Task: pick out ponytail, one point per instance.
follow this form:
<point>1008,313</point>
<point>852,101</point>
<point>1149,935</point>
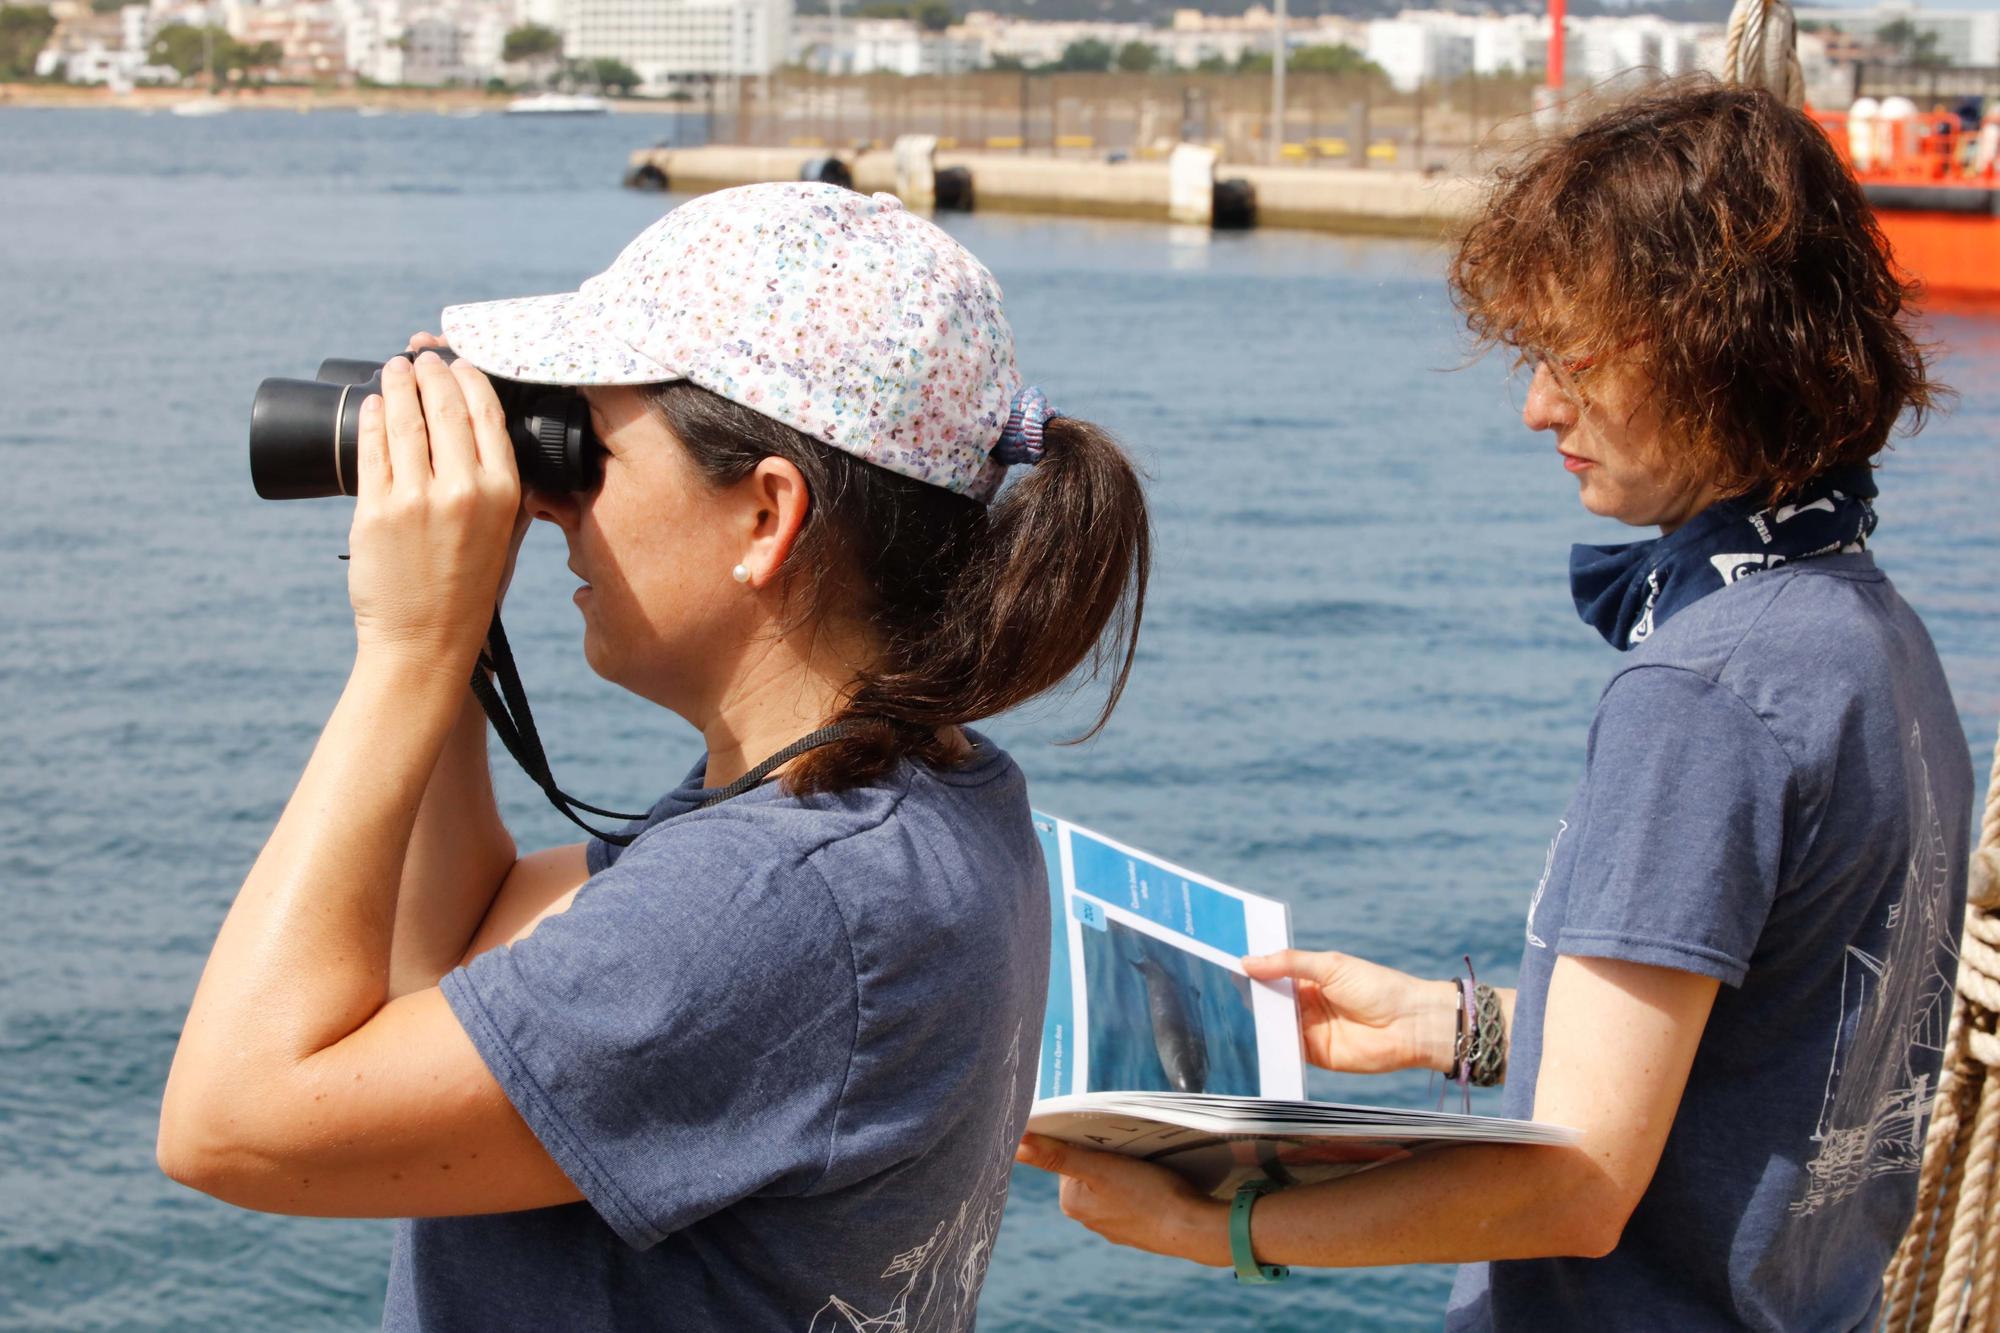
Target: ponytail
<point>977,608</point>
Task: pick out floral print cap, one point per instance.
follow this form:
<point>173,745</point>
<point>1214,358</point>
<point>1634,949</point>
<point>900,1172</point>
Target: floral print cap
<point>839,314</point>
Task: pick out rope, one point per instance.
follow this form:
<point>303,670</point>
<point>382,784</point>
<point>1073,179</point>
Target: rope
<point>1920,1252</point>
<point>1945,1276</point>
<point>1762,50</point>
<point>1969,1225</point>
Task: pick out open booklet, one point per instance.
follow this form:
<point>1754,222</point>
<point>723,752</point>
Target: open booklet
<point>1155,1043</point>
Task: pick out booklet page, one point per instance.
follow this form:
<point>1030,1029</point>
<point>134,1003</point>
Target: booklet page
<point>1146,986</point>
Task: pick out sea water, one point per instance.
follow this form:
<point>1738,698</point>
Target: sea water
<point>1361,687</point>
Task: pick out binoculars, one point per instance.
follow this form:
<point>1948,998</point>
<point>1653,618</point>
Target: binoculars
<point>303,433</point>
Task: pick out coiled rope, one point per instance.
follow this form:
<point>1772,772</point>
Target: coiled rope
<point>1945,1277</point>
<point>1763,50</point>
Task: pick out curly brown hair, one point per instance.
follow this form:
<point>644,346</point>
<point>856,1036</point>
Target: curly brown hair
<point>1711,238</point>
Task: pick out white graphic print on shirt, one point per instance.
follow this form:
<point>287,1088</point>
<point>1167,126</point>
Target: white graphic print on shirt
<point>1894,1002</point>
<point>945,1272</point>
<point>1548,866</point>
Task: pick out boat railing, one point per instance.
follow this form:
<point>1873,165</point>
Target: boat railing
<point>1933,148</point>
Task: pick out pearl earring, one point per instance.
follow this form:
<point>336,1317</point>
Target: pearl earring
<point>741,573</point>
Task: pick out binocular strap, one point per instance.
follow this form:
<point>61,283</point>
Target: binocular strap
<point>507,709</point>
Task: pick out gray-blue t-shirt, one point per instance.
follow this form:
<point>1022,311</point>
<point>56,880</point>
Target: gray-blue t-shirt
<point>1778,794</point>
<point>784,1048</point>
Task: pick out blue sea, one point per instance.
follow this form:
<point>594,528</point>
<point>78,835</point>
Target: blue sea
<point>1362,688</point>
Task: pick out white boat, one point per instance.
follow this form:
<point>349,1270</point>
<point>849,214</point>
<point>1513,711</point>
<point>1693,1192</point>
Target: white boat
<point>558,104</point>
<point>201,106</point>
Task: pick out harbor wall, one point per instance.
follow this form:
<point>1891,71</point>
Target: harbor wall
<point>1374,201</point>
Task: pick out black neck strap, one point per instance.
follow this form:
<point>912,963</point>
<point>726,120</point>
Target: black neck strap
<point>760,774</point>
<point>507,709</point>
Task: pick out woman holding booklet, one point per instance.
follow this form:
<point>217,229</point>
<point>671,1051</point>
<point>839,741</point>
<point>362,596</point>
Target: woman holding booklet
<point>707,1072</point>
<point>1739,959</point>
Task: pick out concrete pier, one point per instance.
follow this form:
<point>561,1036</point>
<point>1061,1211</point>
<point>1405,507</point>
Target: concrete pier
<point>1378,202</point>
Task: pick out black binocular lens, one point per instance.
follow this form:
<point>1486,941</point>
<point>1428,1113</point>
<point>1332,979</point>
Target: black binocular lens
<point>303,433</point>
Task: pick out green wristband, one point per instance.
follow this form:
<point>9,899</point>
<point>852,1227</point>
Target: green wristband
<point>1247,1267</point>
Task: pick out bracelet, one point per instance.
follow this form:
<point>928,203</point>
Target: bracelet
<point>1489,1057</point>
<point>1247,1267</point>
<point>1479,1053</point>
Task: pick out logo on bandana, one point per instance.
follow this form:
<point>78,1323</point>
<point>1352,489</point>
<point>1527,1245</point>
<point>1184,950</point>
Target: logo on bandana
<point>1644,629</point>
<point>1735,567</point>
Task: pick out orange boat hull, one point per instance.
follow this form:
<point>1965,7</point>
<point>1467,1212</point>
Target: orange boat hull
<point>1955,256</point>
<point>1936,195</point>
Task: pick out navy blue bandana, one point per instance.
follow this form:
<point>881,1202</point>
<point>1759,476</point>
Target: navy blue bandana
<point>1629,591</point>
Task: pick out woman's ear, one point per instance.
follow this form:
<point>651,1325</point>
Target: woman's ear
<point>778,502</point>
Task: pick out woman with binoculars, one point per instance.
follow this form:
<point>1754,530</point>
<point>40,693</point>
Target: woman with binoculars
<point>719,1071</point>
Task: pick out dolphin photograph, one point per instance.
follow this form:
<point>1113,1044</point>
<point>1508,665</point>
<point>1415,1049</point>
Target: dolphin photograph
<point>1164,1020</point>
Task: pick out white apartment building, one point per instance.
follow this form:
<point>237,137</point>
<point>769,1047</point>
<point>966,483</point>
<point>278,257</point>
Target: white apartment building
<point>1418,47</point>
<point>1515,44</point>
<point>310,34</point>
<point>1959,37</point>
<point>104,48</point>
<point>1036,43</point>
<point>421,41</point>
<point>671,43</point>
<point>1428,46</point>
<point>1193,39</point>
<point>1602,50</point>
<point>827,45</point>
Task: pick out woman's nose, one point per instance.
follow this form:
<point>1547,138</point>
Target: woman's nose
<point>1548,406</point>
<point>558,507</point>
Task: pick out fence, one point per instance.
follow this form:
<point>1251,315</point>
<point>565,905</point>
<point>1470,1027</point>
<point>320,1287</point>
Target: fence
<point>1335,119</point>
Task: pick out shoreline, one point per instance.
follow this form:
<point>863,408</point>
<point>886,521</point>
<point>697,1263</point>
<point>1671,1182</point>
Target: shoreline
<point>439,101</point>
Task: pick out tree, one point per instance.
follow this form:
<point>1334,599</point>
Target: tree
<point>1088,56</point>
<point>613,76</point>
<point>1253,62</point>
<point>1342,59</point>
<point>264,56</point>
<point>934,15</point>
<point>180,45</point>
<point>1007,62</point>
<point>530,41</point>
<point>1138,58</point>
<point>24,31</point>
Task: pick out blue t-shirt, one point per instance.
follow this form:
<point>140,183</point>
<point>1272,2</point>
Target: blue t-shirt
<point>1778,794</point>
<point>782,1047</point>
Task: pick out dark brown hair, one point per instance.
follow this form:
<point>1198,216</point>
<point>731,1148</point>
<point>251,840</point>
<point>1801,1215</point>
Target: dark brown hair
<point>977,608</point>
<point>1711,237</point>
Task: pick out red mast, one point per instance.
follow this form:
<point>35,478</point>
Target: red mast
<point>1557,11</point>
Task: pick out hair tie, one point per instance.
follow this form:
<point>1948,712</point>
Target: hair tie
<point>1021,437</point>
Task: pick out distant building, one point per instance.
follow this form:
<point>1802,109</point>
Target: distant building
<point>311,35</point>
<point>1036,43</point>
<point>1604,50</point>
<point>422,41</point>
<point>1422,46</point>
<point>828,45</point>
<point>1418,47</point>
<point>1958,37</point>
<point>1514,44</point>
<point>672,43</point>
<point>89,47</point>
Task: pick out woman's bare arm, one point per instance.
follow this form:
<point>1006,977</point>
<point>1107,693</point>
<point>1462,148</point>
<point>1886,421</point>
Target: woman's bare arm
<point>460,854</point>
<point>1618,1042</point>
